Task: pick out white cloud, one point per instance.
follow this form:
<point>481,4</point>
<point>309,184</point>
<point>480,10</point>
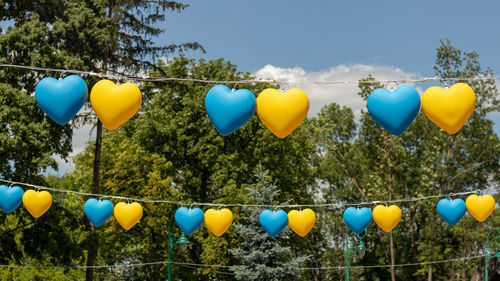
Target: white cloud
<point>319,95</point>
<point>343,94</point>
<point>81,136</point>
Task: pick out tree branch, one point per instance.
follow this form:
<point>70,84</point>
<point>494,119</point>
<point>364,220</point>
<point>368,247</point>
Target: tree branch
<point>473,167</point>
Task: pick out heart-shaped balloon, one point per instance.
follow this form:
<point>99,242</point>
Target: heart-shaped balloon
<point>281,112</point>
<point>37,203</point>
<point>301,222</point>
<point>98,211</point>
<point>451,211</point>
<point>10,197</point>
<point>61,99</point>
<point>449,108</point>
<point>127,215</point>
<point>229,110</point>
<point>480,207</point>
<point>189,220</point>
<point>358,219</point>
<point>273,222</point>
<point>115,104</point>
<point>394,111</point>
<point>218,221</point>
<point>386,217</point>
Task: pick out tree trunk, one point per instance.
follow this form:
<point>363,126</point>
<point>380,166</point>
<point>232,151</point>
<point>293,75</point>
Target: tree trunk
<point>413,241</point>
<point>92,251</point>
<point>393,275</point>
<point>493,270</point>
<point>463,251</point>
<point>411,231</point>
<point>391,241</point>
<point>429,275</point>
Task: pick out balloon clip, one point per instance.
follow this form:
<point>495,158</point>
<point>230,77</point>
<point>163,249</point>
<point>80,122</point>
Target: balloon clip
<point>284,86</point>
<point>118,79</point>
<point>61,75</point>
<point>234,87</point>
<point>446,86</point>
<point>394,84</point>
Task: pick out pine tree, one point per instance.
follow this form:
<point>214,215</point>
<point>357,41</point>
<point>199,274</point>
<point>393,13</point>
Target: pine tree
<point>262,257</point>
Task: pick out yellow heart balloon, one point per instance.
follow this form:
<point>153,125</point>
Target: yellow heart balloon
<point>386,217</point>
<point>449,108</point>
<point>301,222</point>
<point>218,221</point>
<point>115,105</point>
<point>127,215</point>
<point>281,112</point>
<point>480,207</point>
<point>37,203</point>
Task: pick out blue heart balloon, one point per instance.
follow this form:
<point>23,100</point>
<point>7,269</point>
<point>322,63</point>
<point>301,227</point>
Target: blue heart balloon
<point>452,211</point>
<point>358,219</point>
<point>61,99</point>
<point>273,222</point>
<point>10,198</point>
<point>229,110</point>
<point>98,211</point>
<point>394,111</point>
<point>189,220</point>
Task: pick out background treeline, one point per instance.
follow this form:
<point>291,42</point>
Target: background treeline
<point>171,151</point>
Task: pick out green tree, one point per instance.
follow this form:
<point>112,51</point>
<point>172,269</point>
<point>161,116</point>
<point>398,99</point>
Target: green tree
<point>197,164</point>
<point>99,35</point>
<point>262,257</point>
<point>365,162</point>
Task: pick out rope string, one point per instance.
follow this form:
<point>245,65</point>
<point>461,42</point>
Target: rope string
<point>340,267</point>
<point>330,205</point>
<point>252,81</point>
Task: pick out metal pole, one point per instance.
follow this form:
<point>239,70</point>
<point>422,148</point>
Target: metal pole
<point>346,258</point>
<point>487,249</point>
<point>486,260</point>
<point>170,246</point>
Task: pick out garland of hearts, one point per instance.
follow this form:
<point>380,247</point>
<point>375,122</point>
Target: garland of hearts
<point>218,221</point>
<point>281,112</point>
<point>451,211</point>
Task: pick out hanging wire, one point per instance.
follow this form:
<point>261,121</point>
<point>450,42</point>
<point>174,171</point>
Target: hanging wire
<point>340,267</point>
<point>250,81</point>
<point>389,265</point>
<point>218,205</point>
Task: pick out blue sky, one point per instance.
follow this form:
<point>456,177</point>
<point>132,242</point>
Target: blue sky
<point>332,40</point>
<point>316,35</point>
<point>337,40</point>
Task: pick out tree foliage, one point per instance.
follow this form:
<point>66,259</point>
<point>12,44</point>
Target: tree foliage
<point>171,151</point>
<point>97,35</point>
<point>261,257</point>
<point>364,162</point>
